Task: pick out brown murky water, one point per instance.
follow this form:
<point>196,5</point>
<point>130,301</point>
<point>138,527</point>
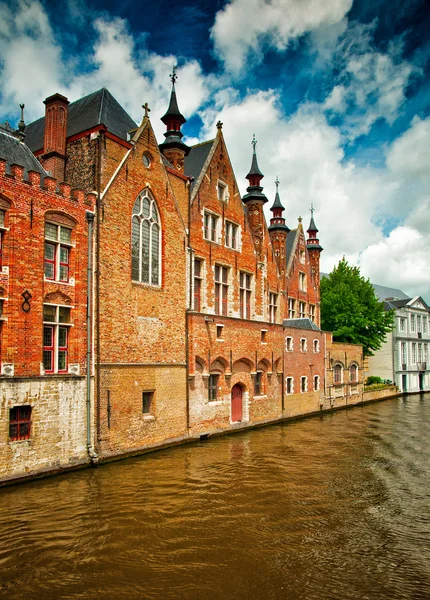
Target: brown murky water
<point>330,508</point>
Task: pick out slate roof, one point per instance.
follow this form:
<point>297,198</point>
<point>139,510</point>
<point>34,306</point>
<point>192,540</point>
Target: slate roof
<point>386,292</point>
<point>390,304</point>
<point>16,152</point>
<point>301,324</point>
<point>291,238</point>
<point>95,109</point>
<point>195,160</point>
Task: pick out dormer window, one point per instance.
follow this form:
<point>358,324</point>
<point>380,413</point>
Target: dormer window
<point>222,191</point>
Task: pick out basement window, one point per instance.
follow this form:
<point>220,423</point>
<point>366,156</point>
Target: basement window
<point>19,423</point>
<point>147,402</point>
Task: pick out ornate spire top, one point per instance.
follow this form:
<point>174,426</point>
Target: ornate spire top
<point>277,207</point>
<point>277,182</point>
<point>312,229</point>
<point>21,125</point>
<point>146,109</point>
<point>173,76</point>
<point>255,175</point>
<point>219,125</point>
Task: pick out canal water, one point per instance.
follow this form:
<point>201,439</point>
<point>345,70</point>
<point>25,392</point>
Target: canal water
<point>336,507</point>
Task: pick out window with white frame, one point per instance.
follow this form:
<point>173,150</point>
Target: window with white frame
<point>419,323</point>
<point>425,349</point>
<point>316,383</point>
<point>222,191</point>
<point>413,323</point>
<point>312,312</point>
<point>231,235</point>
<point>302,281</point>
<point>291,308</point>
<point>302,310</point>
<point>316,345</point>
<point>2,234</point>
<point>58,243</point>
<point>145,240</point>
<point>337,374</point>
<point>211,227</point>
<point>198,277</point>
<point>353,373</point>
<point>56,327</point>
<point>289,385</point>
<point>414,353</point>
<point>273,307</point>
<point>221,290</point>
<point>403,353</point>
<point>424,324</point>
<point>420,353</point>
<point>303,345</point>
<point>303,384</point>
<point>245,295</point>
<point>402,324</point>
<point>289,344</point>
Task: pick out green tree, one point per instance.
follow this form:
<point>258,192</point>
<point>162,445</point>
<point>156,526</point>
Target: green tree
<point>351,310</point>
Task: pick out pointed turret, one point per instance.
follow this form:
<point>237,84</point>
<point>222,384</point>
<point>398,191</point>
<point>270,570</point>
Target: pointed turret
<point>278,231</point>
<point>173,148</point>
<point>277,221</point>
<point>254,177</point>
<point>314,248</point>
<point>254,201</point>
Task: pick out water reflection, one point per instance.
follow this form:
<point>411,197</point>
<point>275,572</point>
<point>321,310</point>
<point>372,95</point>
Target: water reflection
<point>330,508</point>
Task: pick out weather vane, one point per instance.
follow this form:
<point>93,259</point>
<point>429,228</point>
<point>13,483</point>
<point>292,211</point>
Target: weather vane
<point>173,76</point>
<point>312,210</point>
<point>277,182</point>
<point>254,141</point>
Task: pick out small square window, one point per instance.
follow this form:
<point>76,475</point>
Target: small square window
<point>303,345</point>
<point>222,191</point>
<point>303,384</point>
<point>219,330</point>
<point>263,336</point>
<point>289,344</point>
<point>20,423</point>
<point>213,387</point>
<point>290,385</point>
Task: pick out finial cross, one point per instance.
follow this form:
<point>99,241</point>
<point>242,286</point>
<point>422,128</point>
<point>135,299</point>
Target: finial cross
<point>312,210</point>
<point>277,182</point>
<point>300,219</point>
<point>254,141</point>
<point>219,125</point>
<point>146,109</point>
<point>173,76</point>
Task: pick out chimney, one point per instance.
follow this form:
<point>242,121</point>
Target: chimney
<point>53,158</point>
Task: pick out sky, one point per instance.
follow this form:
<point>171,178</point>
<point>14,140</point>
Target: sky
<point>337,93</point>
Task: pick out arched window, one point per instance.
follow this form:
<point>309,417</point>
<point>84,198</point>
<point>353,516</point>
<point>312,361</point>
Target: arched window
<point>145,240</point>
<point>337,373</point>
<point>353,373</point>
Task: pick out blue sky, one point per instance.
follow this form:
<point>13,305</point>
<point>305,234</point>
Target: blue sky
<point>336,91</point>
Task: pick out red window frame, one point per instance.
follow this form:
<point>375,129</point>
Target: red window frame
<point>353,373</point>
<point>56,262</point>
<point>54,349</point>
<point>337,374</point>
<point>20,423</point>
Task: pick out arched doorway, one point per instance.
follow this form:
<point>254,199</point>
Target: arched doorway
<point>236,403</point>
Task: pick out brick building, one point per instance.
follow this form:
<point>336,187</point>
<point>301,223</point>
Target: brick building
<point>43,237</point>
<point>205,318</point>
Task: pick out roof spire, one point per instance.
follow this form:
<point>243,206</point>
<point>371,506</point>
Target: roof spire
<point>21,125</point>
<point>277,221</point>
<point>173,147</point>
<point>313,242</point>
<point>254,177</point>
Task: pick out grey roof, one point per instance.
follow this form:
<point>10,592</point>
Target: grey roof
<point>385,293</point>
<point>277,203</point>
<point>301,324</point>
<point>173,110</point>
<point>312,226</point>
<point>16,152</point>
<point>291,238</point>
<point>390,304</point>
<point>95,109</point>
<point>196,159</point>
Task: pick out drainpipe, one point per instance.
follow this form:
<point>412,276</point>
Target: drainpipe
<point>190,305</point>
<point>97,289</point>
<point>283,372</point>
<point>90,221</point>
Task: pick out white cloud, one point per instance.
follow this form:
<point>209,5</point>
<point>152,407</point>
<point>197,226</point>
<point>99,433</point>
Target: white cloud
<point>400,260</point>
<point>410,153</point>
<point>243,29</point>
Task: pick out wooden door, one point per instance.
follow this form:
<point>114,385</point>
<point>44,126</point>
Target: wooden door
<point>236,402</point>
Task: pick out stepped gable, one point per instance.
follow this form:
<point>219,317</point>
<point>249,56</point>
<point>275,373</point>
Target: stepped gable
<point>98,108</point>
<point>14,151</point>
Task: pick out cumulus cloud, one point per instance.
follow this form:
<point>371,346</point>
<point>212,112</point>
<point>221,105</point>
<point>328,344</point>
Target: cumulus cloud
<point>244,29</point>
<point>370,84</point>
<point>400,260</point>
<point>409,155</point>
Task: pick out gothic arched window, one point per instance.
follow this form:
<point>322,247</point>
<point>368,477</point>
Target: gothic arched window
<point>145,240</point>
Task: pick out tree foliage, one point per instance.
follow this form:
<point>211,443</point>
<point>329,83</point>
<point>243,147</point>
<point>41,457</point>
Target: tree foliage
<point>351,310</point>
